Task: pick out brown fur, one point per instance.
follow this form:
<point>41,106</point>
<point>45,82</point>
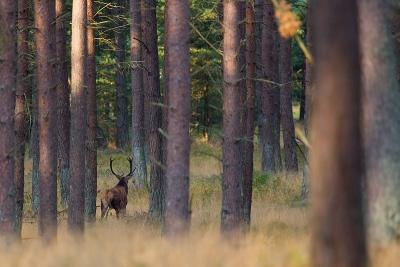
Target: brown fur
<point>117,197</point>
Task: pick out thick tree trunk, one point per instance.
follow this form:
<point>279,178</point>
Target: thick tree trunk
<point>91,149</point>
<point>249,133</point>
<point>138,141</point>
<point>20,114</point>
<point>231,160</point>
<point>8,71</point>
<point>46,93</point>
<point>63,95</point>
<point>76,220</point>
<point>270,96</point>
<point>337,168</point>
<point>381,121</point>
<point>177,214</point>
<point>289,138</point>
<point>122,138</point>
<point>154,141</point>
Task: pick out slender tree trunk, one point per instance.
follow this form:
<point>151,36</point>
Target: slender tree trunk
<point>8,71</point>
<point>258,17</point>
<point>206,113</point>
<point>337,168</point>
<point>289,138</point>
<point>76,221</point>
<point>63,95</point>
<point>35,152</point>
<point>381,121</point>
<point>122,137</point>
<point>270,96</point>
<point>250,100</point>
<point>46,93</point>
<point>20,114</point>
<point>177,214</point>
<point>308,91</point>
<point>91,152</point>
<point>231,177</point>
<point>137,95</point>
<point>303,93</point>
<point>157,181</point>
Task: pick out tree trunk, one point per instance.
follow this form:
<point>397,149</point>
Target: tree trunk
<point>76,221</point>
<point>157,181</point>
<point>289,138</point>
<point>46,93</point>
<point>35,152</point>
<point>91,150</point>
<point>337,156</point>
<point>63,95</point>
<point>20,114</point>
<point>270,96</point>
<point>249,134</point>
<point>231,177</point>
<point>381,121</point>
<point>122,137</point>
<point>258,17</point>
<point>8,71</point>
<point>308,94</point>
<point>177,214</point>
<point>138,151</point>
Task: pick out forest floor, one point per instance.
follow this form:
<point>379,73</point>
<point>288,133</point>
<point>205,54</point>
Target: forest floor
<point>279,234</point>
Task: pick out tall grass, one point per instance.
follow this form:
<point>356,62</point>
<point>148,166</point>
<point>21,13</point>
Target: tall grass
<point>279,234</point>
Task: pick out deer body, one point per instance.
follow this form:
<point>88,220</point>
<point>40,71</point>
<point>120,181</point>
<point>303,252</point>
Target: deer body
<point>116,198</point>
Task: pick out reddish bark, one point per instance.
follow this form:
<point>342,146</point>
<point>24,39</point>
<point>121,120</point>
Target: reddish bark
<point>249,123</point>
<point>231,177</point>
<point>177,215</point>
<point>46,93</point>
<point>91,150</point>
<point>76,220</point>
<point>337,168</point>
<point>63,95</point>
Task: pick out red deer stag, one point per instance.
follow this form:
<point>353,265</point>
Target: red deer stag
<point>117,197</point>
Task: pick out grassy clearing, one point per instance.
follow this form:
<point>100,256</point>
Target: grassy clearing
<point>279,233</point>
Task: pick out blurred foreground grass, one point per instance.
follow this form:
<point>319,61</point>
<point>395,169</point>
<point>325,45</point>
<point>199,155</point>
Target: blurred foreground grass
<point>279,233</point>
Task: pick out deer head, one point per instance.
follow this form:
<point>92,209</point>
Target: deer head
<point>123,178</point>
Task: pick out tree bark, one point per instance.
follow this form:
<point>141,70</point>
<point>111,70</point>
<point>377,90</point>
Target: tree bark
<point>337,168</point>
<point>76,221</point>
<point>20,114</point>
<point>63,96</point>
<point>122,138</point>
<point>91,150</point>
<point>231,160</point>
<point>8,71</point>
<point>250,99</point>
<point>270,95</point>
<point>381,121</point>
<point>289,138</point>
<point>138,141</point>
<point>46,93</point>
<point>35,152</point>
<point>177,214</point>
<point>258,17</point>
<point>157,181</point>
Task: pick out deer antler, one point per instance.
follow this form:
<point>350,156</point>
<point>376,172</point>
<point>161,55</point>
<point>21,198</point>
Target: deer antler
<point>111,167</point>
<point>131,170</point>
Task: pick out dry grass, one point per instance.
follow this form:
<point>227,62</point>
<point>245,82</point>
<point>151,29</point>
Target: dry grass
<point>279,233</point>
